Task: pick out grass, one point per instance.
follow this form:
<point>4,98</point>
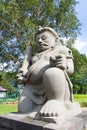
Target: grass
<point>80,98</point>
<point>6,108</point>
<point>11,106</point>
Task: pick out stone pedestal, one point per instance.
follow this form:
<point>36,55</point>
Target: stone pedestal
<point>15,121</point>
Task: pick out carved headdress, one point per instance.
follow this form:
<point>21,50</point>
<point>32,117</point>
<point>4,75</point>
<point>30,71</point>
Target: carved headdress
<point>43,29</point>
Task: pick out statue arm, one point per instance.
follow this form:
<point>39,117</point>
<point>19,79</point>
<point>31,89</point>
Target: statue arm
<point>23,73</point>
<point>70,66</point>
<point>27,58</point>
<point>58,61</point>
<point>63,62</point>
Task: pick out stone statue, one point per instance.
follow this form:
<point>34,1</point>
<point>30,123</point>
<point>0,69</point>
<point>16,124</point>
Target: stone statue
<point>48,89</point>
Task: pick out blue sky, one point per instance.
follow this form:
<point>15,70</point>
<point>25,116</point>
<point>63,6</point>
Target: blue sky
<point>81,43</point>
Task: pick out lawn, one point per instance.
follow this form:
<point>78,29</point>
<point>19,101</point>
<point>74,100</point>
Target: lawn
<point>80,98</point>
<point>6,108</point>
<point>12,106</point>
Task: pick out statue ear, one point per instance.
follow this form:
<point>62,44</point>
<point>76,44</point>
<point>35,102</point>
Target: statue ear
<point>56,40</point>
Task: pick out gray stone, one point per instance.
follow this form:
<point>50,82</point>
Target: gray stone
<point>19,122</point>
<point>65,126</point>
<point>83,115</point>
<point>79,123</point>
<point>47,94</point>
<point>16,121</point>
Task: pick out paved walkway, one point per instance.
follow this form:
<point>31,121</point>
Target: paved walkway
<point>84,108</point>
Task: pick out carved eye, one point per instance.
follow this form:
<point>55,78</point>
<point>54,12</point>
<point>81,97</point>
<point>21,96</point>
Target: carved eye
<point>69,51</point>
<point>43,37</point>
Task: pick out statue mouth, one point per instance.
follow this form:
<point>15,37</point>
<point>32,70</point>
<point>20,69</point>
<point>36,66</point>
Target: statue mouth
<point>43,44</point>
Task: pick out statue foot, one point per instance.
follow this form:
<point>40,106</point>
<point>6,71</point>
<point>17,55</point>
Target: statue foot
<point>53,108</point>
<point>35,114</point>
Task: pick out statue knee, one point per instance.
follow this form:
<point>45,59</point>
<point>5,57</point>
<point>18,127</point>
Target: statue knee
<point>53,72</point>
<point>54,83</point>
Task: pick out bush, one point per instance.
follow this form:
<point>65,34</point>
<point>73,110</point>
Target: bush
<point>83,104</point>
<point>82,99</point>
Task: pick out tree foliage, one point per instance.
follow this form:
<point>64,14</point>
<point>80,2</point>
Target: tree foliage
<point>79,77</point>
<point>6,79</point>
<point>19,20</point>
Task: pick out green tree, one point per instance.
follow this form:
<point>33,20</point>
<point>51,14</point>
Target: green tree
<point>19,20</point>
<point>80,74</point>
<point>5,80</point>
<point>80,63</point>
<point>6,85</point>
<point>76,88</point>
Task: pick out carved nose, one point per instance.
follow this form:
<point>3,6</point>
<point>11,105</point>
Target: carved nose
<point>40,40</point>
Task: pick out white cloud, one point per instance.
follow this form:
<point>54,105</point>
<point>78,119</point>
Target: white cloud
<point>81,46</point>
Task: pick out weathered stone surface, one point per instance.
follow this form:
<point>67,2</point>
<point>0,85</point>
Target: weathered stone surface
<point>17,121</point>
<point>83,115</point>
<point>66,126</point>
<point>47,92</point>
<point>78,122</point>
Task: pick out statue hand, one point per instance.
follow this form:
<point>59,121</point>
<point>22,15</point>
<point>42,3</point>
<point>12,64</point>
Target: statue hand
<point>20,79</point>
<point>58,61</point>
<point>23,71</point>
<point>61,61</point>
<point>52,61</point>
<point>22,75</point>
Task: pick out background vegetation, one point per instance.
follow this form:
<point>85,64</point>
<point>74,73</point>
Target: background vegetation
<point>6,108</point>
<point>12,105</point>
<point>19,21</point>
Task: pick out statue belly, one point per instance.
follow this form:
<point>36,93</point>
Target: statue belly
<point>36,71</point>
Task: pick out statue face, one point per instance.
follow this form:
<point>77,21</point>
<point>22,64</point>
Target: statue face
<point>45,40</point>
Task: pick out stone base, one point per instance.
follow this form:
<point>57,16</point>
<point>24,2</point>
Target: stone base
<point>16,121</point>
<point>65,111</point>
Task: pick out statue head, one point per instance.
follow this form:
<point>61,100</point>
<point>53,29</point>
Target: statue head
<point>46,38</point>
